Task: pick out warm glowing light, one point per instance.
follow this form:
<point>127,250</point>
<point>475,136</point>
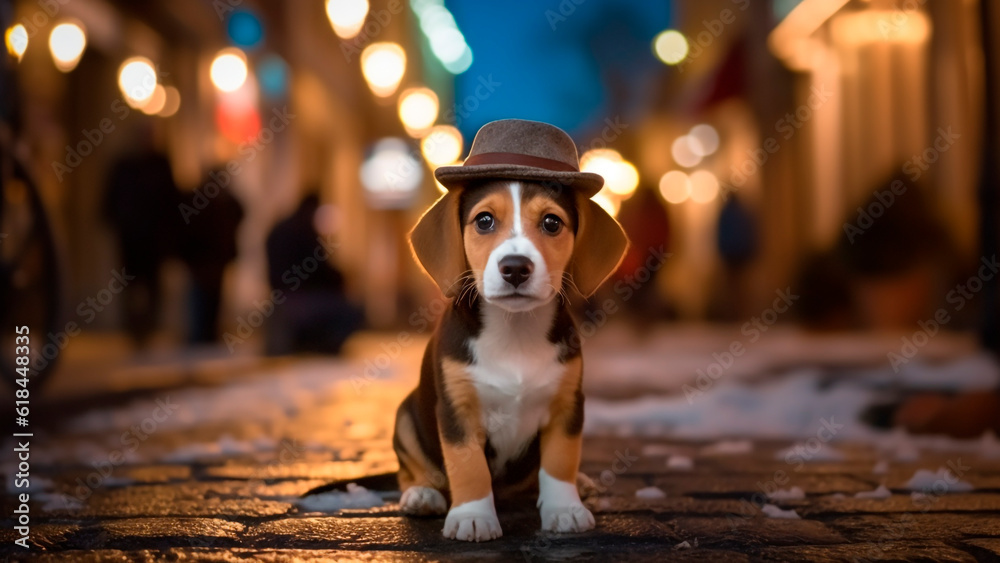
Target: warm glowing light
<point>67,42</point>
<point>684,153</point>
<point>807,17</point>
<point>440,186</point>
<point>383,65</point>
<point>137,81</point>
<point>671,46</point>
<point>391,175</point>
<point>16,38</point>
<point>621,177</point>
<point>607,202</point>
<point>418,110</point>
<point>171,102</point>
<point>876,26</point>
<point>703,140</point>
<point>704,186</point>
<point>347,16</point>
<point>442,146</point>
<point>154,104</point>
<point>675,186</point>
<point>229,70</point>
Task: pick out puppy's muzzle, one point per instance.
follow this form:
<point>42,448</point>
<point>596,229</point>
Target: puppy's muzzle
<point>515,269</point>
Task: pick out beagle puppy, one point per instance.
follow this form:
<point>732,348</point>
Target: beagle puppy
<point>499,405</point>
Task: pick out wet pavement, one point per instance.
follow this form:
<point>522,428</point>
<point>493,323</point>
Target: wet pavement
<point>210,467</point>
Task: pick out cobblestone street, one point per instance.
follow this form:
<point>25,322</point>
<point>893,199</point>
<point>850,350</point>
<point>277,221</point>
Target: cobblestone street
<point>216,474</point>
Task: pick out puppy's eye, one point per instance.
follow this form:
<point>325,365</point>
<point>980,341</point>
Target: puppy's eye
<point>551,224</point>
<point>484,222</point>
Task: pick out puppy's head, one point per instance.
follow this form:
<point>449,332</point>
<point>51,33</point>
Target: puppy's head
<point>518,242</point>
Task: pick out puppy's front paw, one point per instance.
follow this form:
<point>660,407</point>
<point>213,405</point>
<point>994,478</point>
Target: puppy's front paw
<point>566,518</point>
<point>473,521</point>
<point>422,501</point>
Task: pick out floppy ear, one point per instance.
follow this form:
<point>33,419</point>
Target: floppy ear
<point>436,241</point>
<point>599,246</point>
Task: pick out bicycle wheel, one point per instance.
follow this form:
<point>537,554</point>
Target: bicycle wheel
<point>29,278</point>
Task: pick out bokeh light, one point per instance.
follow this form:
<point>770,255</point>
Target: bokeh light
<point>16,39</point>
<point>442,146</point>
<point>675,187</point>
<point>607,202</point>
<point>347,17</point>
<point>671,46</point>
<point>683,152</point>
<point>155,103</point>
<point>383,66</point>
<point>703,140</point>
<point>229,69</point>
<point>704,186</point>
<point>391,174</point>
<point>446,41</point>
<point>418,110</point>
<point>67,42</point>
<point>272,74</point>
<point>621,177</point>
<point>245,29</point>
<point>172,102</point>
<point>137,80</point>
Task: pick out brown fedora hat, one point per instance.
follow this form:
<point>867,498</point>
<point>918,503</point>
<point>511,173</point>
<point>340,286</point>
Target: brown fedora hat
<point>518,149</point>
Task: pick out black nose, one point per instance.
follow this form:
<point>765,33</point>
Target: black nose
<point>515,269</point>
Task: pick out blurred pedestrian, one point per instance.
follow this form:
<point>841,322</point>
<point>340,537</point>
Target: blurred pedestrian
<point>315,314</point>
<point>208,243</point>
<point>737,242</point>
<point>140,204</point>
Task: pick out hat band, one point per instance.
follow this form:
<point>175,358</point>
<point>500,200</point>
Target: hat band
<point>520,160</point>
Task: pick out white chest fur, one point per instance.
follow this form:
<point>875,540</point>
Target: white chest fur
<point>516,372</point>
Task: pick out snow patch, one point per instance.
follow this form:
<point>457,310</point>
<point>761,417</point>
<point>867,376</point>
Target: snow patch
<point>774,512</point>
<point>795,493</point>
<point>680,463</point>
<point>650,493</point>
<point>334,501</point>
<point>939,482</point>
<point>880,493</point>
<point>658,450</point>
<point>728,447</point>
<point>805,453</point>
<point>881,468</point>
<point>989,446</point>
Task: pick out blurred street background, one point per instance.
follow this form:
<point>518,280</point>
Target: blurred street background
<point>206,202</point>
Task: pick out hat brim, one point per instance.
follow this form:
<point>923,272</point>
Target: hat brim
<point>587,183</point>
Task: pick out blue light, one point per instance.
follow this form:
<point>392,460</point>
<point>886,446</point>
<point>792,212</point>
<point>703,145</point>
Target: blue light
<point>244,29</point>
<point>272,73</point>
